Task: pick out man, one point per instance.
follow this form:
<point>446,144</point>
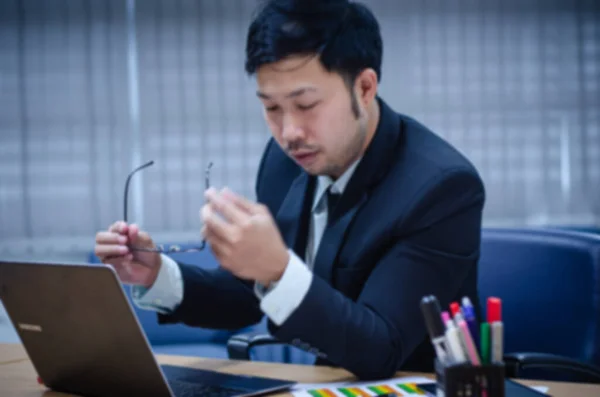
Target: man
<point>361,211</point>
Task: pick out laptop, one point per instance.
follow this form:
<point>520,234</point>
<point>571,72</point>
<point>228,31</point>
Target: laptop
<point>83,337</point>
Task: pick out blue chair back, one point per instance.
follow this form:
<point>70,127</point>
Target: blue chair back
<point>172,334</point>
<point>549,282</point>
<point>590,229</point>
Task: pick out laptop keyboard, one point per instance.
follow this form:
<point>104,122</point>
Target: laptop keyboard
<point>191,382</point>
<point>188,389</point>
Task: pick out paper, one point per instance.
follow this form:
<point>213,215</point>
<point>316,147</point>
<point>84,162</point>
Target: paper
<point>401,386</point>
<point>405,386</point>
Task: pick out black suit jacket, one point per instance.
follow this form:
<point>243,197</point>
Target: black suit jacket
<point>407,225</point>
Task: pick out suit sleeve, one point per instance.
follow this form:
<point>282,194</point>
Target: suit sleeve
<point>372,336</point>
<point>214,299</point>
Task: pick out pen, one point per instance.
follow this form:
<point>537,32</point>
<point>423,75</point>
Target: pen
<point>454,340</point>
<point>494,317</point>
<point>469,313</point>
<point>470,349</point>
<point>430,307</point>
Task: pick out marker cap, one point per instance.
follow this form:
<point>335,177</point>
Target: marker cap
<point>433,317</point>
<point>454,308</point>
<point>466,302</point>
<point>445,317</point>
<point>494,309</point>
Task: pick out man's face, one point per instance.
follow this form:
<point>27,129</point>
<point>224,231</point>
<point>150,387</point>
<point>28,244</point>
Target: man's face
<point>310,114</point>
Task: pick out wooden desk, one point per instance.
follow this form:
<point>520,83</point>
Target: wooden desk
<point>10,353</point>
<point>18,377</point>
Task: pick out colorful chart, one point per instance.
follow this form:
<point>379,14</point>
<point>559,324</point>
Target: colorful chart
<point>400,389</point>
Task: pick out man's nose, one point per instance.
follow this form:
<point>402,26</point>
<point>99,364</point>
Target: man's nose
<point>292,130</point>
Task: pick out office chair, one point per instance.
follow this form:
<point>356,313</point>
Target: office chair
<point>549,282</point>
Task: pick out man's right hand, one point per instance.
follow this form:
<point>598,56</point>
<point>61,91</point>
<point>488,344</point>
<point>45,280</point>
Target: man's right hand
<point>132,267</point>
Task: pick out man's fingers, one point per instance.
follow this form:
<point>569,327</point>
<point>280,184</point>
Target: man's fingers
<point>110,238</point>
<point>132,232</point>
<point>107,250</point>
<point>241,202</point>
<point>221,253</point>
<point>118,227</point>
<point>215,224</point>
<point>139,238</point>
<point>117,261</point>
<point>214,239</point>
<point>226,207</point>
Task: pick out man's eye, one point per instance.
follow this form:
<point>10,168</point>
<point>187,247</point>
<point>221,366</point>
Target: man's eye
<point>272,108</point>
<point>307,107</point>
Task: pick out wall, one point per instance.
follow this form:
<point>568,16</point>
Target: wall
<point>91,89</point>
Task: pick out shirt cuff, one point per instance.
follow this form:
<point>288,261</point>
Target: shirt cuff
<point>167,291</point>
<point>280,300</point>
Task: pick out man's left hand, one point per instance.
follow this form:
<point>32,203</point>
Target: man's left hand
<point>243,237</point>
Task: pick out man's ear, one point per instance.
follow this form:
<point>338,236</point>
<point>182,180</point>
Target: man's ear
<point>366,87</point>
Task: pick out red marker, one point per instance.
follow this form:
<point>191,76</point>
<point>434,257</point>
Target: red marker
<point>454,308</point>
<point>494,317</point>
<point>494,310</point>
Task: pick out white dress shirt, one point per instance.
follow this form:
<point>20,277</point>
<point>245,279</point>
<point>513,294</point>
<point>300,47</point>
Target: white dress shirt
<point>280,300</point>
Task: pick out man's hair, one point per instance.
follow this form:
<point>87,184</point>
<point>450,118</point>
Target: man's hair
<point>344,34</point>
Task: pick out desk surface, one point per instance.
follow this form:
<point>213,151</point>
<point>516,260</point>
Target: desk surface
<point>18,377</point>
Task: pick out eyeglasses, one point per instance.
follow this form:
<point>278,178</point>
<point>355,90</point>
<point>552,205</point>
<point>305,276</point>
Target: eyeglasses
<point>165,249</point>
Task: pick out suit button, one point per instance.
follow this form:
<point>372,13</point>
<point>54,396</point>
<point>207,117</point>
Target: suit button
<point>314,351</point>
<point>322,355</point>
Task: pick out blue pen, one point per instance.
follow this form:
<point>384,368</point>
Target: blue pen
<point>469,315</point>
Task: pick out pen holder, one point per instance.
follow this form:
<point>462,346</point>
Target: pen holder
<point>466,380</point>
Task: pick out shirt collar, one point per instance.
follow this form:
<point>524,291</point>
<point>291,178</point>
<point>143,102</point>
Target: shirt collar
<point>324,181</point>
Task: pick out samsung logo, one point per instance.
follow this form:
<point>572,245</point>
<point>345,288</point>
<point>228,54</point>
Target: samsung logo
<point>30,327</point>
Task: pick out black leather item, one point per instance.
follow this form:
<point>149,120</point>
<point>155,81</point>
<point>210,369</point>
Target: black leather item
<point>517,362</point>
<point>239,346</point>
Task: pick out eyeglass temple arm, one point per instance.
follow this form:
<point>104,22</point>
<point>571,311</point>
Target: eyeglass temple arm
<point>131,174</point>
<point>207,175</point>
<point>207,184</point>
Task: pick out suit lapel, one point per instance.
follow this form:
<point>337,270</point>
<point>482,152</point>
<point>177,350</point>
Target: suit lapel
<point>294,214</point>
<point>375,163</point>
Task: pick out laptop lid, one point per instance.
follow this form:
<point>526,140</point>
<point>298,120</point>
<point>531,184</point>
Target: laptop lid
<point>79,329</point>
